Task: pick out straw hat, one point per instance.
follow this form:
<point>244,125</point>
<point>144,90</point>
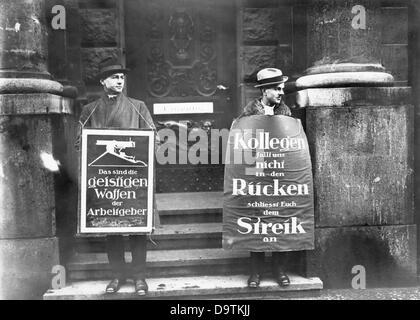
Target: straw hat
<point>269,77</point>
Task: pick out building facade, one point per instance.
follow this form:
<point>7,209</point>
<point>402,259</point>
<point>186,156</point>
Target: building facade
<point>183,54</point>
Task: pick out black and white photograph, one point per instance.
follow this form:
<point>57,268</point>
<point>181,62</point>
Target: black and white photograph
<point>228,151</point>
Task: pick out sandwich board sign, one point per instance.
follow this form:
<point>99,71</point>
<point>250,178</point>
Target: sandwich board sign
<point>116,181</point>
<point>268,187</point>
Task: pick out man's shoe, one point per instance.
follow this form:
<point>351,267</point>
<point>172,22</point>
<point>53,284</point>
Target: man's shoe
<point>114,285</point>
<point>140,285</point>
<point>282,279</point>
<point>254,280</point>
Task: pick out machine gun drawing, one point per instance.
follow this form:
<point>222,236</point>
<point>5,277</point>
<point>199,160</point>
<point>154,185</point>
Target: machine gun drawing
<point>116,148</point>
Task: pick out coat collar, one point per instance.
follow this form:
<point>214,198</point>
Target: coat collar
<point>105,97</point>
<point>260,106</point>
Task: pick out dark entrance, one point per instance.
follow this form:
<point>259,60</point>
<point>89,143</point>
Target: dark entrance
<point>182,54</point>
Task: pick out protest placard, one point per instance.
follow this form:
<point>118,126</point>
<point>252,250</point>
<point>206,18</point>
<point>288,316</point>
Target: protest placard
<point>116,181</point>
<point>268,187</point>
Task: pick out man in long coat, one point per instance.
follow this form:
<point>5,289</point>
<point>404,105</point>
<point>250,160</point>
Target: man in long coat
<point>271,82</point>
<point>115,110</point>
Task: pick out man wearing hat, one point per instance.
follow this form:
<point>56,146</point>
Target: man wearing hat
<point>271,82</point>
<point>115,110</point>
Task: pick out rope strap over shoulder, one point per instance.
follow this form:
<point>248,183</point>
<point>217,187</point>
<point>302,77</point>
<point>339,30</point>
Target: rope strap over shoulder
<point>148,123</point>
<point>90,114</point>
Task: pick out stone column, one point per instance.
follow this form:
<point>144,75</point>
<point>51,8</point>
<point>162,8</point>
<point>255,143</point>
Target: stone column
<point>360,131</point>
<point>29,103</point>
<point>344,42</point>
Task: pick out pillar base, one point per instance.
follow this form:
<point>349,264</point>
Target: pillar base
<point>345,79</point>
<point>26,85</point>
<point>25,267</point>
<point>28,246</point>
<point>345,75</point>
<point>361,142</point>
<point>387,253</point>
<point>351,96</point>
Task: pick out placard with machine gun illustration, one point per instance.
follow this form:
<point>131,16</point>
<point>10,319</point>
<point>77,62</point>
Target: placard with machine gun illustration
<point>116,185</point>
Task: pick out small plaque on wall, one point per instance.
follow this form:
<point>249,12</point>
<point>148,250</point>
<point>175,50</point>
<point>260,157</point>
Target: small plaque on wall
<point>183,107</point>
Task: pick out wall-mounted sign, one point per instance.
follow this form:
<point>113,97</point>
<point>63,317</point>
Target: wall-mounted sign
<point>183,107</point>
<point>116,185</point>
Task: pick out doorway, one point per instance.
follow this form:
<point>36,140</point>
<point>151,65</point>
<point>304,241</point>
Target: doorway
<point>182,56</point>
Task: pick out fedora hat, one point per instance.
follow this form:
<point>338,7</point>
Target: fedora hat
<point>269,77</point>
<point>109,66</point>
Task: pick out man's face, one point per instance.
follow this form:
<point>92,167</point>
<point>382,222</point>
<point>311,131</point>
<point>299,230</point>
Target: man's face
<point>114,83</point>
<point>273,95</point>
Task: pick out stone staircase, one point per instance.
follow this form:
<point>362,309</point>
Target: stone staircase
<point>185,259</point>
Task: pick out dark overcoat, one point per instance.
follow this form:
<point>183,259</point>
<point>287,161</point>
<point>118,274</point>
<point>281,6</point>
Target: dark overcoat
<point>118,112</point>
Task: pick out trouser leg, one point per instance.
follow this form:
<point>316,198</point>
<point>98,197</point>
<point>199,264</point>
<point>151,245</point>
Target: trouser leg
<point>138,245</point>
<point>278,262</point>
<point>257,262</point>
<point>115,251</point>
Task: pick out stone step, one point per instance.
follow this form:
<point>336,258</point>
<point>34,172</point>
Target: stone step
<point>163,263</point>
<point>193,287</point>
<point>190,207</point>
<point>166,237</point>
